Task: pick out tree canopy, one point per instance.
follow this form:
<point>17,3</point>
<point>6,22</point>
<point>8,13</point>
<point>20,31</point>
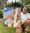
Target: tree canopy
<point>26,2</point>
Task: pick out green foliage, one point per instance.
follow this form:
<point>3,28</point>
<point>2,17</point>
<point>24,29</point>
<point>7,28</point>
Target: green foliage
<point>1,14</point>
<point>20,3</point>
<point>26,2</point>
<point>16,4</point>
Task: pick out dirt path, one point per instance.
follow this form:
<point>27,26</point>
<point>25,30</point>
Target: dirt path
<point>1,20</point>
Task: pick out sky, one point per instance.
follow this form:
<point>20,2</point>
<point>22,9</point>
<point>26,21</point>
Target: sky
<point>12,0</point>
<point>9,0</point>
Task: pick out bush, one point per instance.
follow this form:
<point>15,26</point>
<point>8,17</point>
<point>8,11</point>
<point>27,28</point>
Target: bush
<point>1,14</point>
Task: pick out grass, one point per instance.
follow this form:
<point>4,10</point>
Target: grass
<point>4,29</point>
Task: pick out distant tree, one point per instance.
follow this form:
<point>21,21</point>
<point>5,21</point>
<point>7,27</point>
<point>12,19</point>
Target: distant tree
<point>15,4</point>
<point>25,2</point>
